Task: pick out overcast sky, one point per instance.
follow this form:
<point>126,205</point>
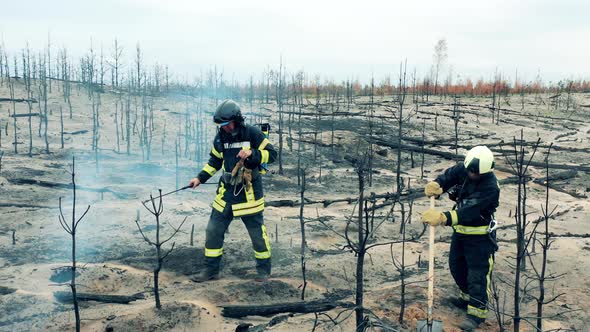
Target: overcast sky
<point>337,39</point>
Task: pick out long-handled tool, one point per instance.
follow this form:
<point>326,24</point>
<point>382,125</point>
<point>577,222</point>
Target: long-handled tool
<point>166,194</point>
<point>430,325</point>
<point>175,191</point>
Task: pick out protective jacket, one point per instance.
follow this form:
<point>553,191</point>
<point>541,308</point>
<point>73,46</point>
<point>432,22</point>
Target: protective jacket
<point>238,199</point>
<point>476,200</point>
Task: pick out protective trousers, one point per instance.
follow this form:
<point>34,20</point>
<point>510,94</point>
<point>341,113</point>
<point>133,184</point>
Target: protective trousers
<point>471,260</point>
<point>216,228</point>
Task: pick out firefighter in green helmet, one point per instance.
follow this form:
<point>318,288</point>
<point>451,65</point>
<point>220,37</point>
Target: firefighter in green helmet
<point>236,143</point>
<point>473,186</point>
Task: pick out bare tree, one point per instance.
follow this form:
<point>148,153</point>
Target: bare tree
<point>520,166</point>
<point>15,67</point>
<point>498,305</point>
<point>2,63</point>
<point>167,79</point>
<point>71,229</point>
<point>102,69</point>
<point>116,62</point>
<point>11,88</point>
<point>401,265</point>
<point>541,273</point>
<point>280,87</point>
<point>116,120</point>
<point>401,98</point>
<point>367,225</point>
<point>96,103</point>
<point>88,67</point>
<point>44,115</point>
<point>422,149</point>
<point>303,239</point>
<point>66,72</point>
<point>49,72</point>
<point>6,63</point>
<point>61,120</point>
<point>371,125</point>
<point>27,79</point>
<point>439,58</point>
<point>128,122</point>
<point>456,118</point>
<point>161,255</point>
<point>138,65</point>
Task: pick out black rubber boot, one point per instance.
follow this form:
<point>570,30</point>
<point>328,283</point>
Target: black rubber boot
<point>470,323</point>
<point>205,276</point>
<point>263,268</point>
<point>211,271</point>
<point>459,303</point>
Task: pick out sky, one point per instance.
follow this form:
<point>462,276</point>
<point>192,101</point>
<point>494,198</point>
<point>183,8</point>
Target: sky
<point>334,39</point>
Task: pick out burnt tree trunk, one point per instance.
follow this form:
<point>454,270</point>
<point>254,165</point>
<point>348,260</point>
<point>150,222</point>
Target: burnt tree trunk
<point>303,239</point>
<point>360,258</point>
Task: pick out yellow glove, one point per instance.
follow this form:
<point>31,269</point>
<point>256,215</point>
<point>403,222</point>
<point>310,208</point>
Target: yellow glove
<point>237,174</point>
<point>434,217</point>
<point>247,179</point>
<point>433,189</point>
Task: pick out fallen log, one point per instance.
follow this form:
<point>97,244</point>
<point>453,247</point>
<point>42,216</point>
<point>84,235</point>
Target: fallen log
<point>238,311</point>
<point>19,100</point>
<point>66,297</point>
<point>568,234</point>
<point>409,197</point>
<point>502,143</point>
<point>48,184</point>
<point>578,168</point>
<point>413,193</point>
<point>560,189</point>
<point>536,221</point>
<point>451,156</point>
<point>76,132</point>
<point>543,181</point>
<point>20,205</point>
<point>510,111</point>
<point>569,133</point>
<point>24,115</point>
<point>281,203</point>
<point>6,290</point>
<point>565,175</point>
<point>329,114</point>
<point>407,147</point>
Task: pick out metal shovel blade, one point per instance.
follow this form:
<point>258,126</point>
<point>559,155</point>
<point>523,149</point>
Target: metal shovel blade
<point>433,326</point>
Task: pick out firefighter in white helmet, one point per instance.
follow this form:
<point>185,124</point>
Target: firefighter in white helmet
<point>472,184</point>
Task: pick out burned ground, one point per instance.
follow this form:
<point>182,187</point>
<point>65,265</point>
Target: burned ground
<point>115,260</point>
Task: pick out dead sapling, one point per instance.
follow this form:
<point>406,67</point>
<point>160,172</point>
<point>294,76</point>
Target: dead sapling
<point>71,229</point>
<point>400,264</point>
<point>303,239</point>
<point>156,210</point>
<point>367,226</point>
<point>541,274</point>
<point>498,303</point>
<point>520,166</point>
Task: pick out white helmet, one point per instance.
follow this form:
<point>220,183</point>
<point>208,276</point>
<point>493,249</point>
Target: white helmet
<point>479,160</point>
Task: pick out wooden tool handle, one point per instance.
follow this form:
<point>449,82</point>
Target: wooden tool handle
<point>431,267</point>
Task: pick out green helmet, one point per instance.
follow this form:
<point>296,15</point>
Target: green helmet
<point>479,160</point>
<point>228,111</point>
